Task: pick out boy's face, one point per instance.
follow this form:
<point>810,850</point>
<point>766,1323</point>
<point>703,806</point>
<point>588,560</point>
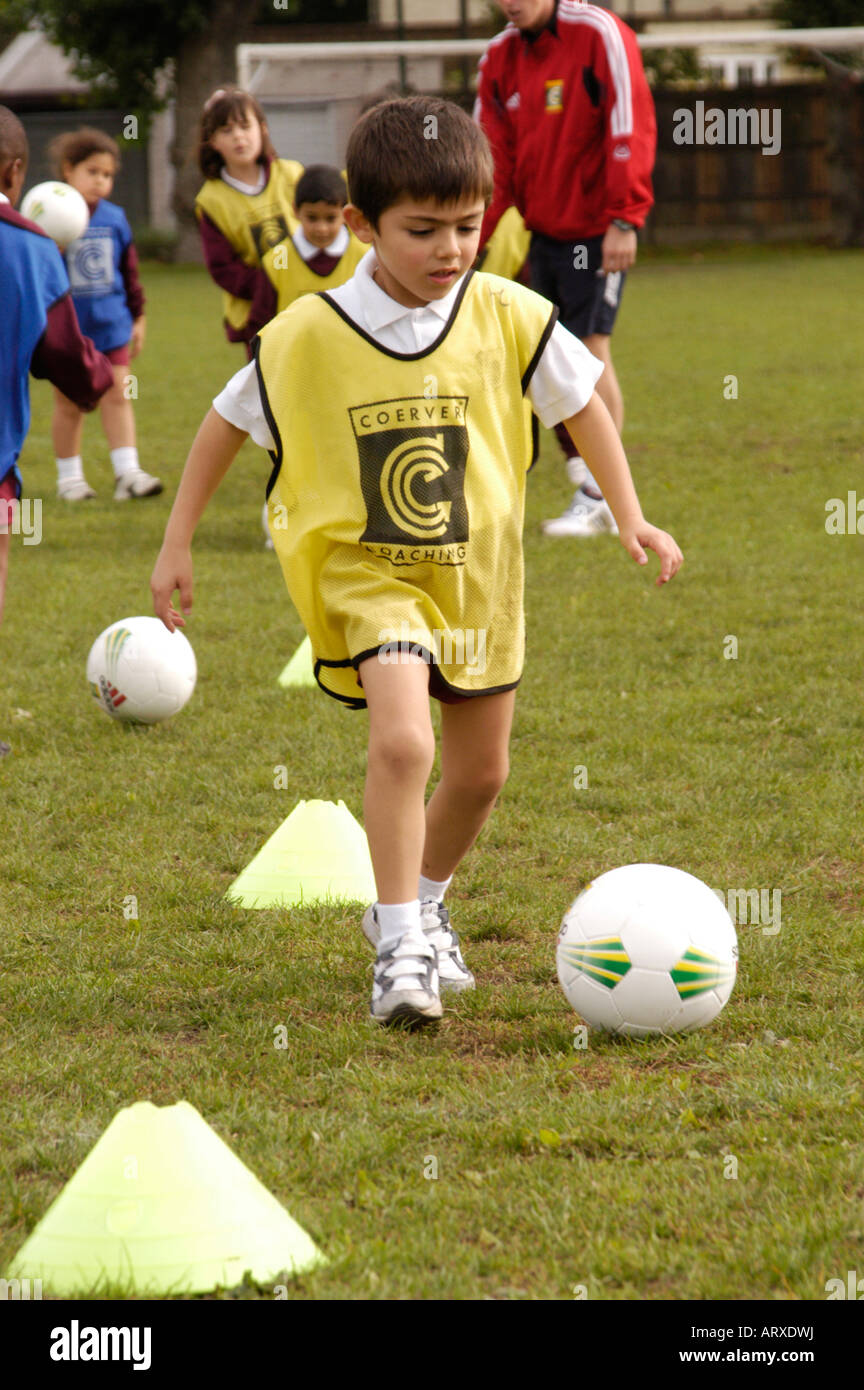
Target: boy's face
<point>528,14</point>
<point>93,176</point>
<point>422,247</point>
<point>320,222</point>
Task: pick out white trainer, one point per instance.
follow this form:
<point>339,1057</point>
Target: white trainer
<point>74,489</point>
<point>453,973</point>
<point>586,516</point>
<point>136,483</point>
<point>576,470</point>
<point>405,987</point>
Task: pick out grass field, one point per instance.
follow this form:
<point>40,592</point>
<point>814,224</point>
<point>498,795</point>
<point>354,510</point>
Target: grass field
<point>606,1168</point>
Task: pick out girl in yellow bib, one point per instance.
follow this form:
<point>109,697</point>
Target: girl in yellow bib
<point>244,209</point>
<point>398,412</point>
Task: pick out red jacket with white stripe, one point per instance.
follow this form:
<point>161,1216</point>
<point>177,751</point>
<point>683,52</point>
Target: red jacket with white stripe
<point>570,119</point>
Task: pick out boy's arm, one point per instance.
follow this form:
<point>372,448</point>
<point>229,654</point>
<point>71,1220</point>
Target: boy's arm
<point>597,440</point>
<point>214,449</point>
<point>69,360</point>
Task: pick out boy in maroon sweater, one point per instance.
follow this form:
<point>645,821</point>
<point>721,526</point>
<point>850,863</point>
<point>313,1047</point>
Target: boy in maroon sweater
<point>39,331</point>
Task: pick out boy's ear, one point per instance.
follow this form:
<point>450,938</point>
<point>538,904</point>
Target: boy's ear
<point>359,224</point>
<point>12,176</point>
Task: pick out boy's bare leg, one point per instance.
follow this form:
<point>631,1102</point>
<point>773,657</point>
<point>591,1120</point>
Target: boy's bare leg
<point>118,417</point>
<point>401,752</point>
<point>475,739</point>
<point>67,426</point>
<point>4,551</point>
<point>608,388</point>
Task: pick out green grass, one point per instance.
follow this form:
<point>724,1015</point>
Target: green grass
<point>556,1167</point>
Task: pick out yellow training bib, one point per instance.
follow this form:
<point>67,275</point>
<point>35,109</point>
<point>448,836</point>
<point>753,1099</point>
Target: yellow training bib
<point>290,275</point>
<point>397,496</point>
<point>252,222</point>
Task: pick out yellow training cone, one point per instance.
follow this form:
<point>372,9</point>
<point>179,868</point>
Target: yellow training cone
<point>300,669</point>
<point>320,852</point>
<point>161,1205</point>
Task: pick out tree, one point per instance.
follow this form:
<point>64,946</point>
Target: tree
<point>135,56</point>
<point>819,14</point>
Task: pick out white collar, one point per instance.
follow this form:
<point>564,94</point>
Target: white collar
<point>249,188</point>
<point>308,249</point>
<point>381,310</point>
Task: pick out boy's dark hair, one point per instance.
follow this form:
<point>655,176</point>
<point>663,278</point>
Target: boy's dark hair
<point>229,103</point>
<point>77,145</point>
<point>13,140</point>
<point>417,147</point>
<point>321,183</point>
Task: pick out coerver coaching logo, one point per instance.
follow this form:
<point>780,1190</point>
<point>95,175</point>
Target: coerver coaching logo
<point>412,456</point>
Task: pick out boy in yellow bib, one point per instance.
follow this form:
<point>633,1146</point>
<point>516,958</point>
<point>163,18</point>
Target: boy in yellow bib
<point>406,398</point>
<point>321,253</point>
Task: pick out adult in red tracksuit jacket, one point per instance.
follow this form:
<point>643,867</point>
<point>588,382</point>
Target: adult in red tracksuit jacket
<point>563,99</point>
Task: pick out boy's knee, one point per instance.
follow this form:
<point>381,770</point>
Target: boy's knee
<point>403,749</point>
<point>483,782</point>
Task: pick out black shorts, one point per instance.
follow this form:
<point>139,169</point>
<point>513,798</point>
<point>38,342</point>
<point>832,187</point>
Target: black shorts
<point>587,301</point>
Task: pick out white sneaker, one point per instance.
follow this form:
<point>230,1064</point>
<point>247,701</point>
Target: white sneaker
<point>74,489</point>
<point>586,516</point>
<point>268,544</point>
<point>405,985</point>
<point>453,973</point>
<point>136,483</point>
<point>576,470</point>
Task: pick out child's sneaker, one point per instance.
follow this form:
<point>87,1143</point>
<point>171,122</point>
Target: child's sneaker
<point>136,483</point>
<point>453,973</point>
<point>74,489</point>
<point>405,985</point>
<point>586,516</point>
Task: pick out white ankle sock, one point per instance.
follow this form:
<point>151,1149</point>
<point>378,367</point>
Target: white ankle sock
<point>431,888</point>
<point>590,485</point>
<point>395,919</point>
<point>124,460</point>
<point>70,468</point>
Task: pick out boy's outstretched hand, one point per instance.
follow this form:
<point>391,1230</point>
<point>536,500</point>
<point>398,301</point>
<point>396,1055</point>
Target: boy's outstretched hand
<point>173,570</point>
<point>638,537</point>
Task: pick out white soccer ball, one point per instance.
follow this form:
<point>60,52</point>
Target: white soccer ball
<point>59,210</point>
<point>647,949</point>
<point>140,672</point>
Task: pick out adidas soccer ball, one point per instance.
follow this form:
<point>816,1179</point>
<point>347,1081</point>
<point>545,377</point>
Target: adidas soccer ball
<point>647,949</point>
<point>140,672</point>
<point>59,210</point>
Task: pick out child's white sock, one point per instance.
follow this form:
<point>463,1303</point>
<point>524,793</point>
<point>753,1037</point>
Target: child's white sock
<point>124,460</point>
<point>70,468</point>
<point>395,919</point>
<point>431,888</point>
<point>590,485</point>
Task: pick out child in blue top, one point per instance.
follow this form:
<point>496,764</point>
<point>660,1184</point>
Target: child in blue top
<point>109,301</point>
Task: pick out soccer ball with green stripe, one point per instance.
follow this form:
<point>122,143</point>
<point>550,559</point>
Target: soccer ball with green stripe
<point>647,949</point>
